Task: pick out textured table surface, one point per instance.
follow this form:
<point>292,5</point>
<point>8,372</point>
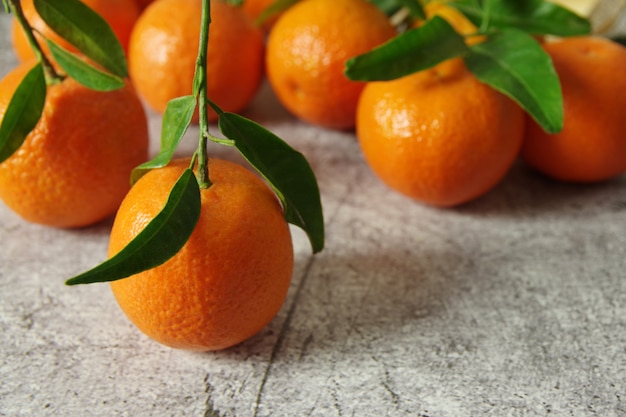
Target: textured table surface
<point>512,305</point>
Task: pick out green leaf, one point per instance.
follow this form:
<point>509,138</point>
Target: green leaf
<point>176,120</point>
<point>23,111</point>
<point>412,51</point>
<point>286,170</point>
<point>86,30</point>
<point>160,240</point>
<point>537,17</point>
<point>514,63</point>
<point>273,9</point>
<point>84,73</point>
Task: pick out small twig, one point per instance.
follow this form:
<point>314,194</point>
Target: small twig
<point>52,76</point>
<point>201,85</point>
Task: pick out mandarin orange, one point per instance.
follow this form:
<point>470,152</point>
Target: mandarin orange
<point>307,50</point>
<point>164,46</point>
<point>439,136</point>
<point>74,167</point>
<point>592,145</point>
<point>231,277</point>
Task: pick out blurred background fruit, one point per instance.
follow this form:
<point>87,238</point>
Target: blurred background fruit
<point>306,55</point>
<point>592,145</point>
<point>164,46</point>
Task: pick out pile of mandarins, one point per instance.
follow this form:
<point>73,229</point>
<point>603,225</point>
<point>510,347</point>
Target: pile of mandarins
<point>439,136</point>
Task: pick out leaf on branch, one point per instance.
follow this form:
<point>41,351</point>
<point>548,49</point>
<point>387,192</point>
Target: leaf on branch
<point>86,74</point>
<point>23,112</point>
<point>159,241</point>
<point>414,50</point>
<point>286,170</point>
<point>514,63</point>
<point>538,17</point>
<point>176,120</point>
<point>86,30</point>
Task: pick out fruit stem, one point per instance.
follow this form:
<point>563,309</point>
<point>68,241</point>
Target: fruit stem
<point>201,90</point>
<point>52,76</point>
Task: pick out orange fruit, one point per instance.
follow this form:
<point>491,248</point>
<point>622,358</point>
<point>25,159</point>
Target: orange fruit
<point>119,14</point>
<point>164,46</point>
<point>439,136</point>
<point>592,146</point>
<point>228,281</point>
<point>74,167</point>
<point>307,50</point>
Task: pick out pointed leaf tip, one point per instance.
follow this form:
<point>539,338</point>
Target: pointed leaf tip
<point>160,240</point>
<point>285,169</point>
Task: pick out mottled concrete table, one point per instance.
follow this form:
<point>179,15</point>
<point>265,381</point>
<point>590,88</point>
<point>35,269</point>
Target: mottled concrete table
<point>512,305</point>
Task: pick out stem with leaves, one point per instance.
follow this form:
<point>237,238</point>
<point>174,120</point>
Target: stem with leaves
<point>15,7</point>
<point>285,169</point>
<point>510,60</point>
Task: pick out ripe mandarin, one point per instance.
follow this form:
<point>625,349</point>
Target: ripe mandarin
<point>439,136</point>
<point>164,46</point>
<point>307,50</point>
<point>228,281</point>
<point>74,167</point>
<point>592,145</point>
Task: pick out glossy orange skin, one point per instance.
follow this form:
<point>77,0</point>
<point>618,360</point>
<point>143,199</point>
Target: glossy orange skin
<point>74,168</point>
<point>228,281</point>
<point>307,51</point>
<point>439,136</point>
<point>592,145</point>
<point>119,14</point>
<point>164,47</point>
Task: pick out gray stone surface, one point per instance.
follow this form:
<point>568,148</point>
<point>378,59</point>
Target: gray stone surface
<point>512,305</point>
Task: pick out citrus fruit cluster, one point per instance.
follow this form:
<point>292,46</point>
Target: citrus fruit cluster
<point>439,135</point>
<point>73,168</point>
<point>231,276</point>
